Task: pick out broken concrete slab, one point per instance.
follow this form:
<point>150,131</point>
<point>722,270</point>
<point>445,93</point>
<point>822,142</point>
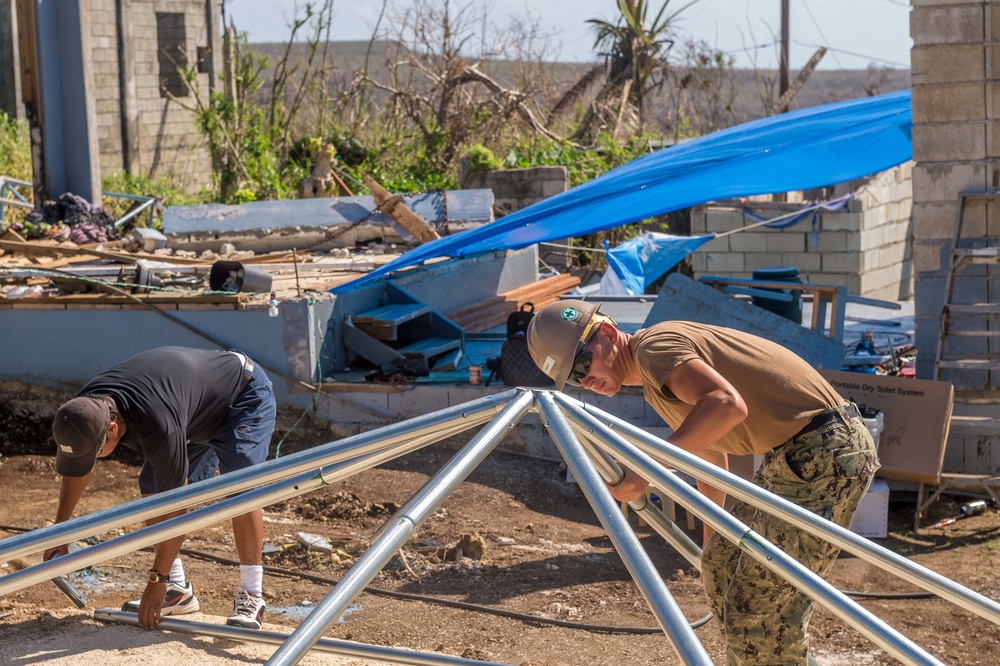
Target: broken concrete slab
<point>684,299</point>
<point>320,224</point>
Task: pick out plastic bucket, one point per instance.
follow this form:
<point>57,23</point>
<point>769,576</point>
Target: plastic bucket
<point>788,309</point>
<point>235,276</point>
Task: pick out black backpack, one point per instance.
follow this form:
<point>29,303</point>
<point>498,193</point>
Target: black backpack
<point>516,367</point>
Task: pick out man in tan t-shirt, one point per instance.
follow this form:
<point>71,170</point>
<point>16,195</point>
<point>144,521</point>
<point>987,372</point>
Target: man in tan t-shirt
<point>724,391</point>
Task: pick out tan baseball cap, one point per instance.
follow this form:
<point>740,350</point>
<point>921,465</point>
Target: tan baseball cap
<point>554,336</point>
<point>80,429</point>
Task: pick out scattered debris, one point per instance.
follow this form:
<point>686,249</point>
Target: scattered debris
<point>471,546</point>
<point>315,542</point>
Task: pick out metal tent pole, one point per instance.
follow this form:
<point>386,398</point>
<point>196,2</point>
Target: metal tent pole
<point>209,515</point>
<point>406,520</point>
<point>471,413</point>
<point>869,551</point>
<point>651,514</point>
<point>329,645</point>
<point>759,548</point>
<point>668,615</point>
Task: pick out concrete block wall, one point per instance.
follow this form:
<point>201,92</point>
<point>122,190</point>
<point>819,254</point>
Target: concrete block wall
<point>956,147</point>
<point>514,189</point>
<point>865,247</point>
<point>168,143</point>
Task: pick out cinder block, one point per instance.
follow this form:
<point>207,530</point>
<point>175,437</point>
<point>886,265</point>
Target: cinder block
<point>935,221</point>
<point>698,221</point>
<point>947,24</point>
<point>946,63</point>
<point>942,181</point>
<point>750,241</point>
<point>890,254</point>
<point>949,142</point>
<point>949,102</point>
<point>929,298</point>
<point>872,239</point>
<point>993,139</point>
<point>930,257</point>
<point>852,281</point>
<point>840,221</point>
<point>756,260</point>
<point>806,262</point>
<point>722,219</point>
<point>786,241</point>
<point>839,241</point>
<point>724,262</point>
<point>841,262</point>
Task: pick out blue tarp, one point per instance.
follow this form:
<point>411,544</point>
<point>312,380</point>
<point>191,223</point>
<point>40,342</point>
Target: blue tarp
<point>812,147</point>
<point>644,259</point>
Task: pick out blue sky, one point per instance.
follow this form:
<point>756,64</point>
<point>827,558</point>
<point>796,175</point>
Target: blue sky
<point>857,32</point>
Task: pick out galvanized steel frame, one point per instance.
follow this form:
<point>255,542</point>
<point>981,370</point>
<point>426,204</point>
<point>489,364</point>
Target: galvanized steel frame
<point>589,440</point>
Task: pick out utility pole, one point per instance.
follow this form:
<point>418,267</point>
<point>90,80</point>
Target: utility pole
<point>783,65</point>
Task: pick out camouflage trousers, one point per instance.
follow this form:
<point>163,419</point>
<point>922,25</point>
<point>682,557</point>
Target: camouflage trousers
<point>763,618</point>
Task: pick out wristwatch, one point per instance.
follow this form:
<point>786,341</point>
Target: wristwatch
<point>156,577</point>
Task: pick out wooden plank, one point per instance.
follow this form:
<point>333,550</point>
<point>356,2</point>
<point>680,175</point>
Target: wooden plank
<point>397,210</point>
<point>30,248</point>
<point>153,299</point>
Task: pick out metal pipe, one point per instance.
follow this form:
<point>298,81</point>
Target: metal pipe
<point>412,514</point>
<point>761,550</point>
<point>869,551</point>
<point>471,413</point>
<point>209,515</point>
<point>661,602</point>
<point>135,212</point>
<point>653,515</point>
<point>328,645</point>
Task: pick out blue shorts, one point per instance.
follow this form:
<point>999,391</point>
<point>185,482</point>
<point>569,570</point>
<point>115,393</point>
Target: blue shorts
<point>242,440</point>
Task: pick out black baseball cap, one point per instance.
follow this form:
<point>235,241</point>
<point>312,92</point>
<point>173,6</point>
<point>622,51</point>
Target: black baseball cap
<point>80,429</point>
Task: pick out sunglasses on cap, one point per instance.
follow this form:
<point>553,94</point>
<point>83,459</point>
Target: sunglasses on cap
<point>584,357</point>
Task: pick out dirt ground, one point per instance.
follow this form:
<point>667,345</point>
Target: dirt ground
<point>544,555</point>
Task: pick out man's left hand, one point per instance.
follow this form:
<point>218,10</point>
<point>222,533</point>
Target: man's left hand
<point>631,487</point>
<point>152,604</point>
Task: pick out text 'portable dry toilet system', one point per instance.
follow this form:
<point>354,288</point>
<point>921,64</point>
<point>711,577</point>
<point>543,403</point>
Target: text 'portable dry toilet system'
<point>235,276</point>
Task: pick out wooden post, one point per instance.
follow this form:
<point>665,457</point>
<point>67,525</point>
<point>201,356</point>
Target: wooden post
<point>10,74</point>
<point>31,93</point>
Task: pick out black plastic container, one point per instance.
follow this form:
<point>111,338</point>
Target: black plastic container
<point>791,310</point>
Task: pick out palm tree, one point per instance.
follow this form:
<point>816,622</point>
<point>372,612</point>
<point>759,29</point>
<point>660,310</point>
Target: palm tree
<point>632,52</point>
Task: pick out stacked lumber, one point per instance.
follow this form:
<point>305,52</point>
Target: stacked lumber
<point>494,311</point>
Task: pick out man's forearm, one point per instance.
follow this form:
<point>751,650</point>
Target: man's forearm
<point>70,491</point>
<point>167,551</point>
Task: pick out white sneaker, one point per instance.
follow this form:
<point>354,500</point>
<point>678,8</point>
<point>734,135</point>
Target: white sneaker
<point>180,599</point>
<point>248,611</point>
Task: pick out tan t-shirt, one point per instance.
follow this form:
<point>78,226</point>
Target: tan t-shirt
<point>782,392</point>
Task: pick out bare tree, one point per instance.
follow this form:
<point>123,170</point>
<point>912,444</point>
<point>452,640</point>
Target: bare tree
<point>438,86</point>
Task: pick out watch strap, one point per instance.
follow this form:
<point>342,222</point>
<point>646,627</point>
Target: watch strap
<point>155,576</point>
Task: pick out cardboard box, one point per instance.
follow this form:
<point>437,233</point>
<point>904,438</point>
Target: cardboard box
<point>872,517</point>
<point>917,414</point>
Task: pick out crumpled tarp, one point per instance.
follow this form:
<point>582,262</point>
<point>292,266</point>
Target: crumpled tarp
<point>807,148</point>
<point>642,260</point>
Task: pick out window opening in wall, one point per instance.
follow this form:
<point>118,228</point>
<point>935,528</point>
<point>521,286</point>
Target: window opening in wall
<point>171,53</point>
